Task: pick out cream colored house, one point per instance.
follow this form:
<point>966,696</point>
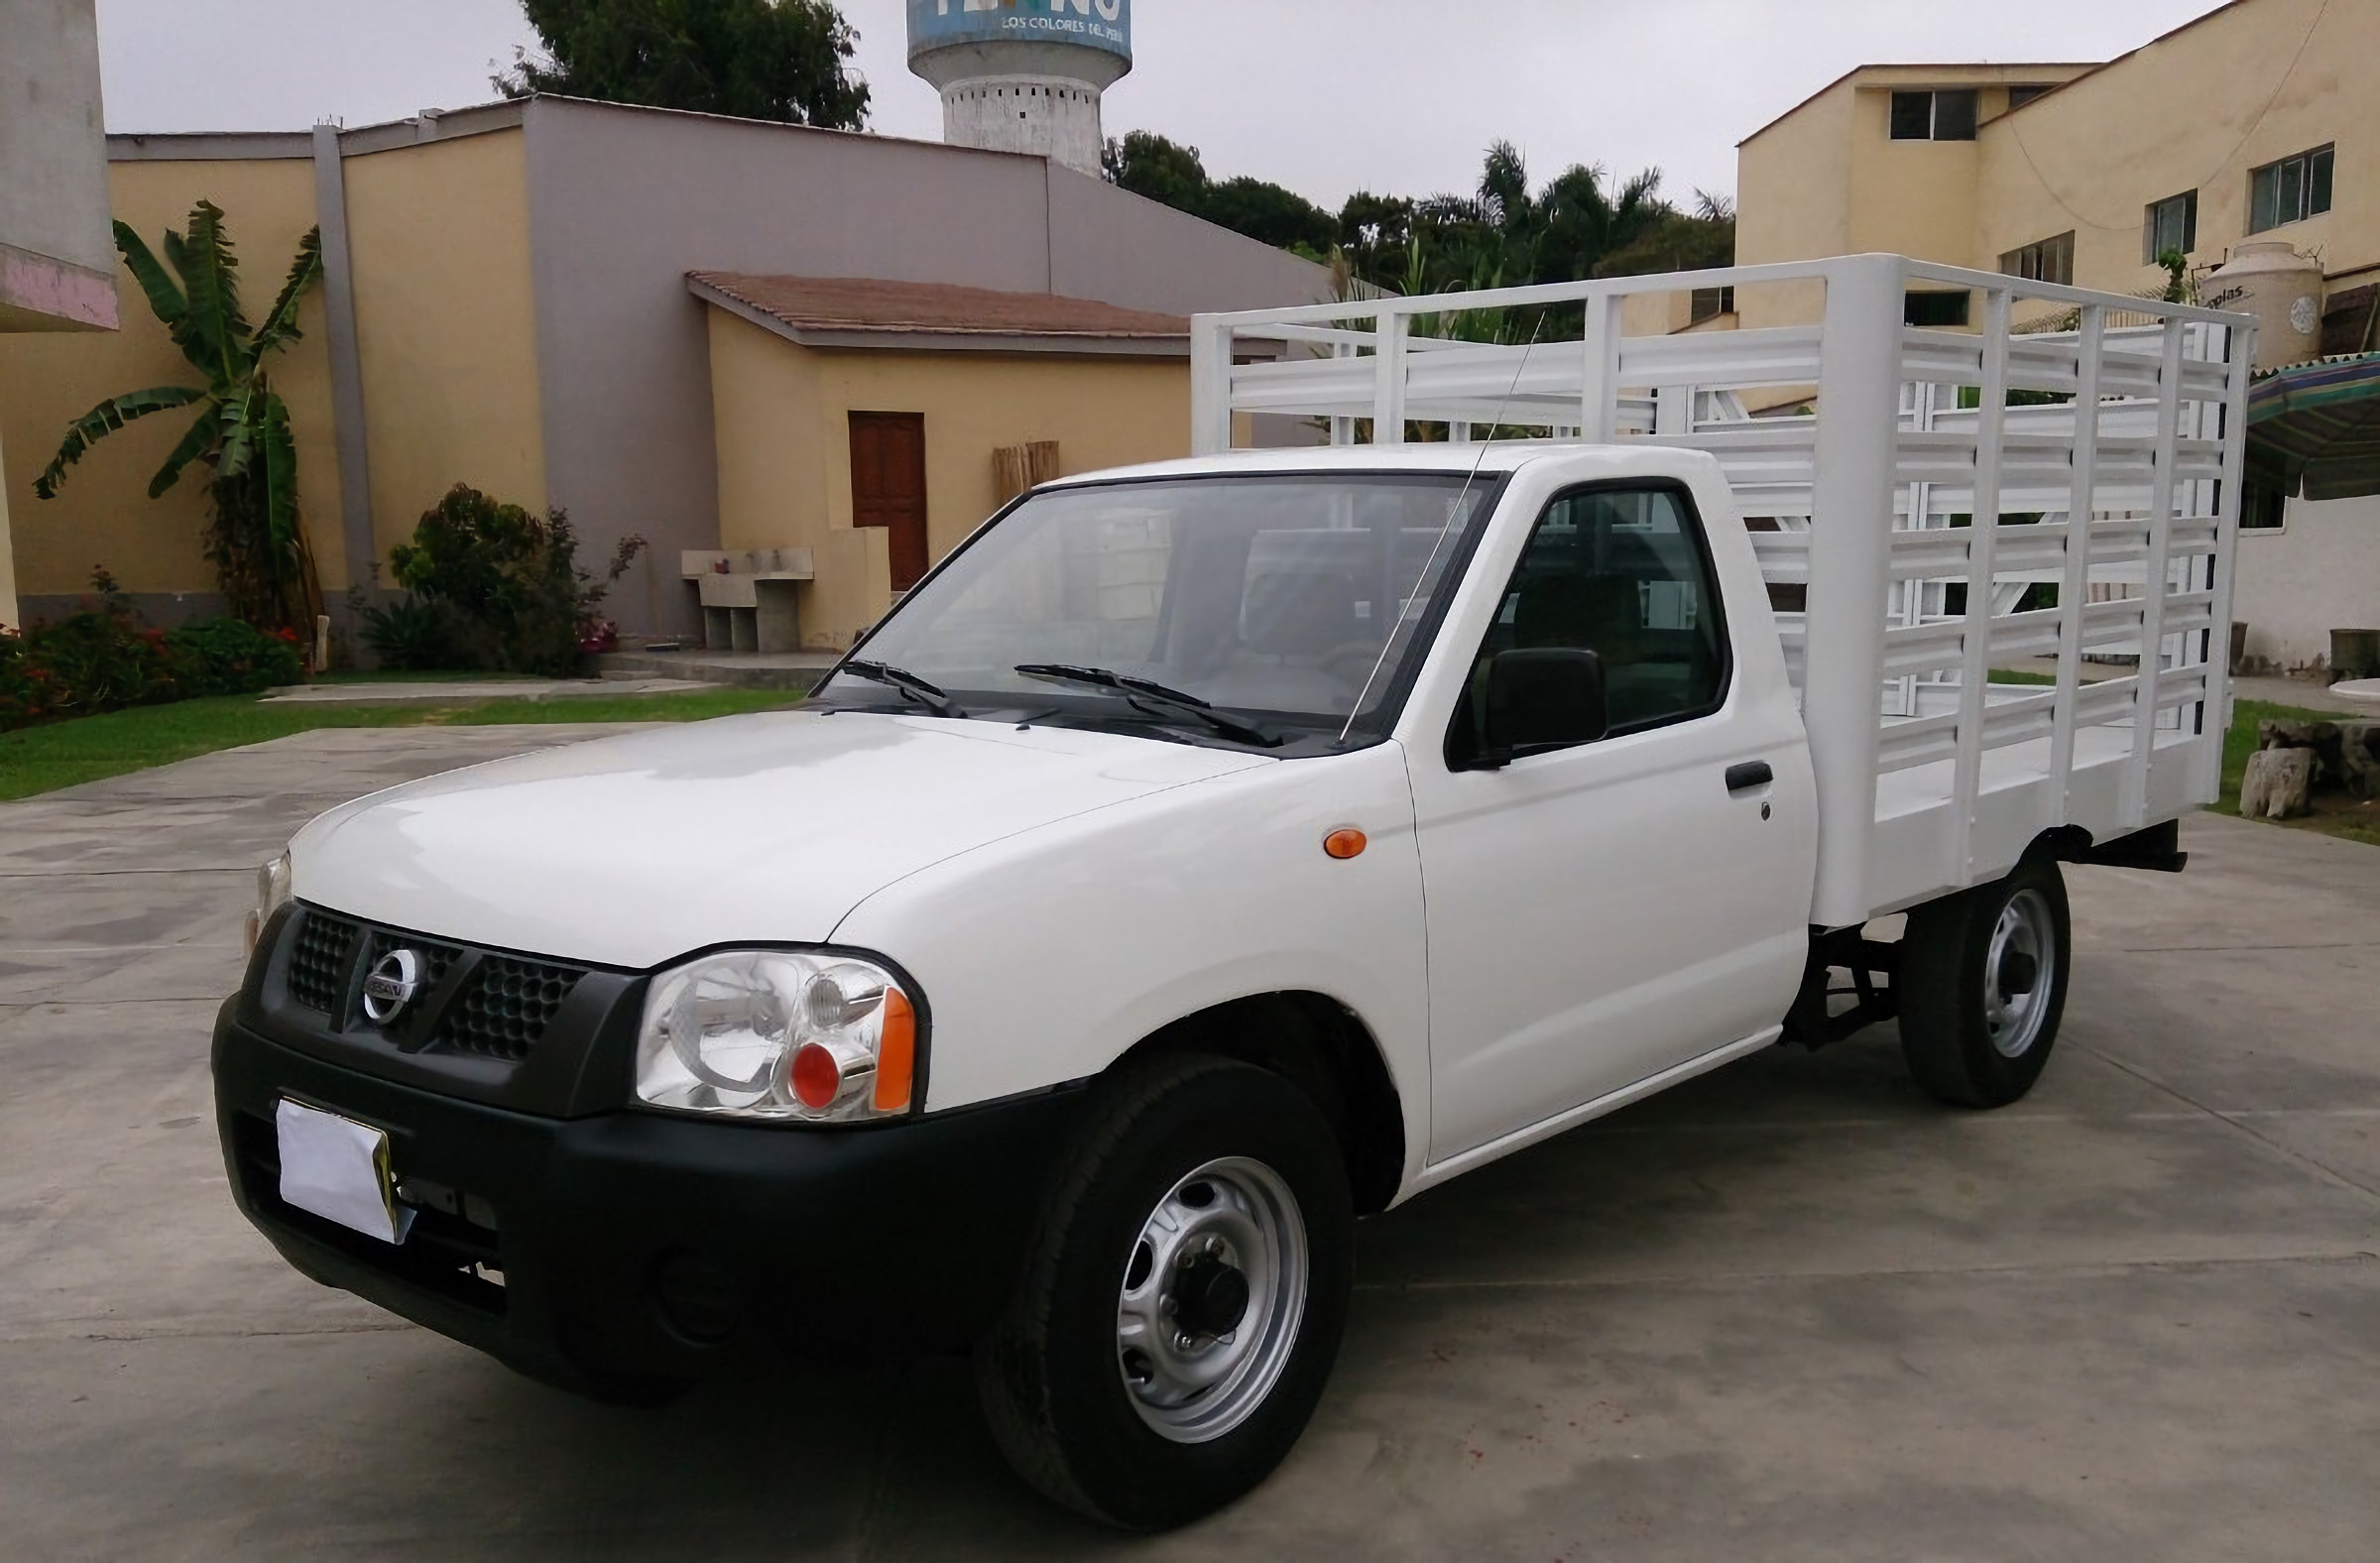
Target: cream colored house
<point>2260,120</point>
<point>506,303</point>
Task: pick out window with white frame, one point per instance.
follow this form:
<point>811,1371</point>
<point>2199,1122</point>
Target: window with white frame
<point>2172,226</point>
<point>1934,116</point>
<point>2290,190</point>
<point>2047,261</point>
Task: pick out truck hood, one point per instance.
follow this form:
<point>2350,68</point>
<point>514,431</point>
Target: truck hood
<point>633,851</point>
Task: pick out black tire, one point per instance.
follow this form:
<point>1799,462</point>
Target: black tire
<point>1948,995</point>
<point>1051,1375</point>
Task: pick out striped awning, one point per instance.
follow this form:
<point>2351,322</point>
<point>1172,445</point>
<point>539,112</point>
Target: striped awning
<point>2313,429</point>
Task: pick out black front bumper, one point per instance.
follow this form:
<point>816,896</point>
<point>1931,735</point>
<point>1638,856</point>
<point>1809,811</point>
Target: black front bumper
<point>635,1245</point>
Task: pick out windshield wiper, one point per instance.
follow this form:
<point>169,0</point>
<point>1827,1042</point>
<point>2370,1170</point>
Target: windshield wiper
<point>1157,699</point>
<point>909,684</point>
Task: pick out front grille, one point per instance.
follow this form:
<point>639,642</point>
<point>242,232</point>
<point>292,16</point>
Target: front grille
<point>506,1008</point>
<point>318,960</point>
<point>500,1007</point>
<point>436,959</point>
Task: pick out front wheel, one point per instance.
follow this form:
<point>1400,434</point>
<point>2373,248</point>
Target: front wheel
<point>1184,1300</point>
<point>1982,986</point>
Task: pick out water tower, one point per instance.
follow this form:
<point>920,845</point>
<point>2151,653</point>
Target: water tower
<point>1023,75</point>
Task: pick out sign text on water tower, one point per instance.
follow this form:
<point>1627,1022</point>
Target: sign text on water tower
<point>1094,24</point>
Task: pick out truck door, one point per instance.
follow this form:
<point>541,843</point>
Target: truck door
<point>1606,910</point>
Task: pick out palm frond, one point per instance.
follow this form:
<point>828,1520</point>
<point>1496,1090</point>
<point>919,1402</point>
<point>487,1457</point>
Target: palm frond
<point>104,419</point>
<point>280,321</point>
<point>209,270</point>
<point>166,298</point>
<point>200,439</point>
<point>240,407</point>
<point>280,450</point>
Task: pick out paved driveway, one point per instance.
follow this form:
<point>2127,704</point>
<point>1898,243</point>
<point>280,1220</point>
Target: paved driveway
<point>1789,1311</point>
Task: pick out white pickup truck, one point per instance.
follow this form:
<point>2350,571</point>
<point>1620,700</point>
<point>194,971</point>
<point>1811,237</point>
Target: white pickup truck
<point>1209,854</point>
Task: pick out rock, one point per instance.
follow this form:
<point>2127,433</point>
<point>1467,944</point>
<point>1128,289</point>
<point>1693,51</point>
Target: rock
<point>2359,757</point>
<point>2279,784</point>
<point>2283,735</point>
<point>2324,738</point>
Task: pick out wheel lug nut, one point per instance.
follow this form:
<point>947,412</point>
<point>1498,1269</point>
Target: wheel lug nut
<point>1181,1343</point>
<point>1168,1307</point>
<point>1215,1247</point>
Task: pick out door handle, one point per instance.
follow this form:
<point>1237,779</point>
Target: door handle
<point>1749,774</point>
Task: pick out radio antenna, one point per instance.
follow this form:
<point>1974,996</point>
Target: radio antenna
<point>1430,564</point>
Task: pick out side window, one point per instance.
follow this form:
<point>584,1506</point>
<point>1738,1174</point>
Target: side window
<point>1624,573</point>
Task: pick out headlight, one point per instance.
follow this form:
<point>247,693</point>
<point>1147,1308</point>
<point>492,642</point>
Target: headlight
<point>782,1035</point>
<point>272,894</point>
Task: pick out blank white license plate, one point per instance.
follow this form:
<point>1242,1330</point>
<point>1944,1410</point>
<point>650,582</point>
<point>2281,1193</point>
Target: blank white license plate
<point>338,1170</point>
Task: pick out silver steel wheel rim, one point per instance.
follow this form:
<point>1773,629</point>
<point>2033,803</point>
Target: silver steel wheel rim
<point>2022,941</point>
<point>1188,1385</point>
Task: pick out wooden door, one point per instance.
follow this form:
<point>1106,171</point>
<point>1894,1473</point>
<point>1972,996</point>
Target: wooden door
<point>888,487</point>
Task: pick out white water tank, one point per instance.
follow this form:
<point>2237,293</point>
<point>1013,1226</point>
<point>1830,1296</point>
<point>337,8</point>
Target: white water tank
<point>2283,289</point>
<point>1023,76</point>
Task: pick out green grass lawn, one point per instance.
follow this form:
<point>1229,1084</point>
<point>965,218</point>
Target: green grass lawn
<point>2334,813</point>
<point>63,753</point>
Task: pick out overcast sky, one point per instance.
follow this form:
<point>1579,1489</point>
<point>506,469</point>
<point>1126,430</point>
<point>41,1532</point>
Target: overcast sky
<point>1326,96</point>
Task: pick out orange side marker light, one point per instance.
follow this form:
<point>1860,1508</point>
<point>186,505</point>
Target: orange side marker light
<point>1345,844</point>
<point>896,1055</point>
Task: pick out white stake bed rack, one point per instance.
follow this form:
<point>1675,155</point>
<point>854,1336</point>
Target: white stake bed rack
<point>1894,609</point>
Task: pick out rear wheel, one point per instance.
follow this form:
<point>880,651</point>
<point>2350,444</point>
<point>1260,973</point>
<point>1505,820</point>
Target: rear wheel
<point>1982,986</point>
<point>1184,1300</point>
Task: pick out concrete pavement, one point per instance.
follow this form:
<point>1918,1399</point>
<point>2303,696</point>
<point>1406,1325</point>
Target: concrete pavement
<point>432,691</point>
<point>1788,1311</point>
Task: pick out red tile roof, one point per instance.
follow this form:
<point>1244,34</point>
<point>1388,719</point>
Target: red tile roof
<point>846,307</point>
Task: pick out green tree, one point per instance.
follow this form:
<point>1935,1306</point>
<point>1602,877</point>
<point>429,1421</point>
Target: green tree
<point>782,59</point>
<point>1147,164</point>
<point>1270,214</point>
<point>1166,171</point>
<point>255,537</point>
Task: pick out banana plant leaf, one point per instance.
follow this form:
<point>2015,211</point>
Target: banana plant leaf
<point>104,419</point>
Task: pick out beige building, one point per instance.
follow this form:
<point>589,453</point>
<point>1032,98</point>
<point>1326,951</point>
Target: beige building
<point>2259,121</point>
<point>858,421</point>
<point>57,269</point>
<point>506,303</point>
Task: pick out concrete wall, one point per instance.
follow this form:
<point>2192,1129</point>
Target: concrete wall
<point>784,449</point>
<point>445,314</point>
<point>625,202</point>
<point>1123,249</point>
<point>103,514</point>
<point>57,259</point>
<point>2321,571</point>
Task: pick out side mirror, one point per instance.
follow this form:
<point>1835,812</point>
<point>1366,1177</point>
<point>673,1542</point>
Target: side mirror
<point>1542,698</point>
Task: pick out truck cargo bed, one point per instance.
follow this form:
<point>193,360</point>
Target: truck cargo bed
<point>1860,450</point>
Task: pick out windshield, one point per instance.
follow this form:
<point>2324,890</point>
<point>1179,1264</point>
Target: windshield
<point>1271,595</point>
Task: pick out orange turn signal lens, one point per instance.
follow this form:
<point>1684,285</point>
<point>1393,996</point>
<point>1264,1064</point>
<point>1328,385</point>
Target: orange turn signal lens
<point>897,1054</point>
<point>1345,844</point>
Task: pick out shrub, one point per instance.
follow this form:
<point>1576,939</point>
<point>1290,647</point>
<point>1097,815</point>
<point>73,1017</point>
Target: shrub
<point>101,657</point>
<point>412,636</point>
<point>506,582</point>
<point>230,656</point>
